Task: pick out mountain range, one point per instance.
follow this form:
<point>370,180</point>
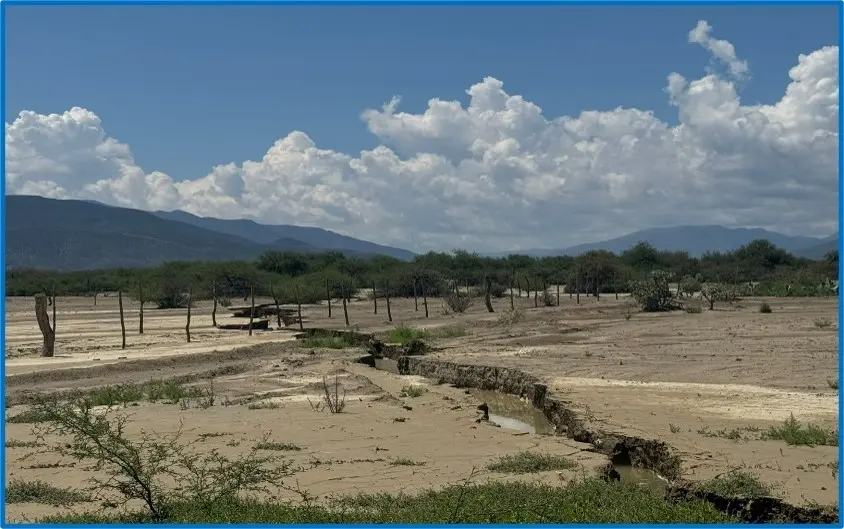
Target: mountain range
<point>698,240</point>
<point>83,235</point>
<point>54,234</point>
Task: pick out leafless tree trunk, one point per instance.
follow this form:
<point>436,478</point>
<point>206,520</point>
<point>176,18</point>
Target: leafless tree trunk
<point>615,282</point>
<point>558,293</point>
<point>53,303</point>
<point>487,300</point>
<point>277,308</point>
<point>95,299</point>
<point>298,306</point>
<point>375,297</point>
<point>536,293</point>
<point>345,308</point>
<point>251,307</point>
<point>597,287</point>
<point>328,296</point>
<point>141,312</point>
<point>527,288</point>
<point>214,308</point>
<point>47,332</point>
<point>387,295</point>
<point>577,285</point>
<point>518,283</point>
<point>415,296</point>
<point>187,325</point>
<point>425,298</point>
<point>512,303</point>
<point>122,321</point>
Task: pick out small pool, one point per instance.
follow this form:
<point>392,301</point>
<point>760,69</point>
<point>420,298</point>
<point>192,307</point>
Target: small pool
<point>513,413</point>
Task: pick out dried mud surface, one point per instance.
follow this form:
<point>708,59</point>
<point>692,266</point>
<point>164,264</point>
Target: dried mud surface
<point>685,379</point>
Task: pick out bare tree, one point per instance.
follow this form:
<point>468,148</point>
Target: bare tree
<point>577,284</point>
<point>328,296</point>
<point>122,321</point>
<point>251,308</point>
<point>415,296</point>
<point>48,332</point>
<point>487,300</point>
<point>424,298</point>
<point>387,296</point>
<point>345,308</point>
<point>214,308</point>
<point>597,286</point>
<point>187,324</point>
<point>141,313</point>
<point>298,306</point>
<point>374,297</point>
<point>512,303</point>
<point>558,293</point>
<point>278,309</point>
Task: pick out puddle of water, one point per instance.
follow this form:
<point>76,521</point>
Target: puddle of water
<point>513,413</point>
<point>641,476</point>
<point>385,364</point>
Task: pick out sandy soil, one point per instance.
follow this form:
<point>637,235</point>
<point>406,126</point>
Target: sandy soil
<point>683,378</point>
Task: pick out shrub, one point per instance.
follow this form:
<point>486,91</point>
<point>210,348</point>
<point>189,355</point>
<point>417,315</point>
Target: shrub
<point>653,294</point>
<point>693,308</point>
<point>458,302</point>
<point>141,470</point>
<point>765,308</point>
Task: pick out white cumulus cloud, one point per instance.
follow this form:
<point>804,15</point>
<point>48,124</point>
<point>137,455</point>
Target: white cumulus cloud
<point>497,173</point>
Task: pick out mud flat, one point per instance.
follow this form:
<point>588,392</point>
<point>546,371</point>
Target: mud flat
<point>665,391</point>
<point>625,452</point>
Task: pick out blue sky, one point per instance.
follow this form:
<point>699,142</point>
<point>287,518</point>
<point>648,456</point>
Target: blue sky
<point>191,87</point>
<point>609,119</point>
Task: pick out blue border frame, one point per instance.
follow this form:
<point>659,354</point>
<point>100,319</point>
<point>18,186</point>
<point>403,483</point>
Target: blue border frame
<point>5,3</point>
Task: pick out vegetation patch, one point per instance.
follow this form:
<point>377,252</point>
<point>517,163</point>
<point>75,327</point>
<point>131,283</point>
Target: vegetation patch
<point>403,334</point>
<point>327,342</point>
<point>529,462</point>
<point>20,491</point>
<point>278,447</point>
<point>585,501</point>
<point>795,433</point>
<point>14,443</point>
<point>736,484</point>
<point>30,416</point>
<point>413,391</point>
<point>406,462</point>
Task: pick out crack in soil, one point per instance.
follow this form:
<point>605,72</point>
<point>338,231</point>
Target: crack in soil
<point>621,449</point>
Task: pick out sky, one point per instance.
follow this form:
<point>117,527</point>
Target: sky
<point>491,128</point>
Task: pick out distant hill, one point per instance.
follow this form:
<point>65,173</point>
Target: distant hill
<point>268,233</point>
<point>83,235</point>
<point>696,240</point>
<point>817,251</point>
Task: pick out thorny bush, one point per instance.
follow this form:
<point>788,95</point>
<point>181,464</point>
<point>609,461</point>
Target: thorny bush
<point>140,467</point>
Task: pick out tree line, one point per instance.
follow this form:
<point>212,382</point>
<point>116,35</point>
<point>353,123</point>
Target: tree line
<point>312,277</point>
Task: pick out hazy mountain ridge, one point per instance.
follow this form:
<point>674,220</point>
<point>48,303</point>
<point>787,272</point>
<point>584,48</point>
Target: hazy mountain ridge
<point>269,234</point>
<point>696,240</point>
<point>84,235</point>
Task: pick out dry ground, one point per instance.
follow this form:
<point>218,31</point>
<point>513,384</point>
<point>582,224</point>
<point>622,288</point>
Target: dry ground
<point>688,379</point>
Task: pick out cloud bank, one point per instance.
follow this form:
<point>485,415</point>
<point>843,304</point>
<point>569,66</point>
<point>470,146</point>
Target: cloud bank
<point>497,174</point>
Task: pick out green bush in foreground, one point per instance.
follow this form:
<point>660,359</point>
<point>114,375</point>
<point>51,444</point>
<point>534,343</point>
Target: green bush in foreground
<point>587,501</point>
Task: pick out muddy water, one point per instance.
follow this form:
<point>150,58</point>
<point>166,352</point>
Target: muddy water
<point>642,477</point>
<point>513,413</point>
<point>385,364</point>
